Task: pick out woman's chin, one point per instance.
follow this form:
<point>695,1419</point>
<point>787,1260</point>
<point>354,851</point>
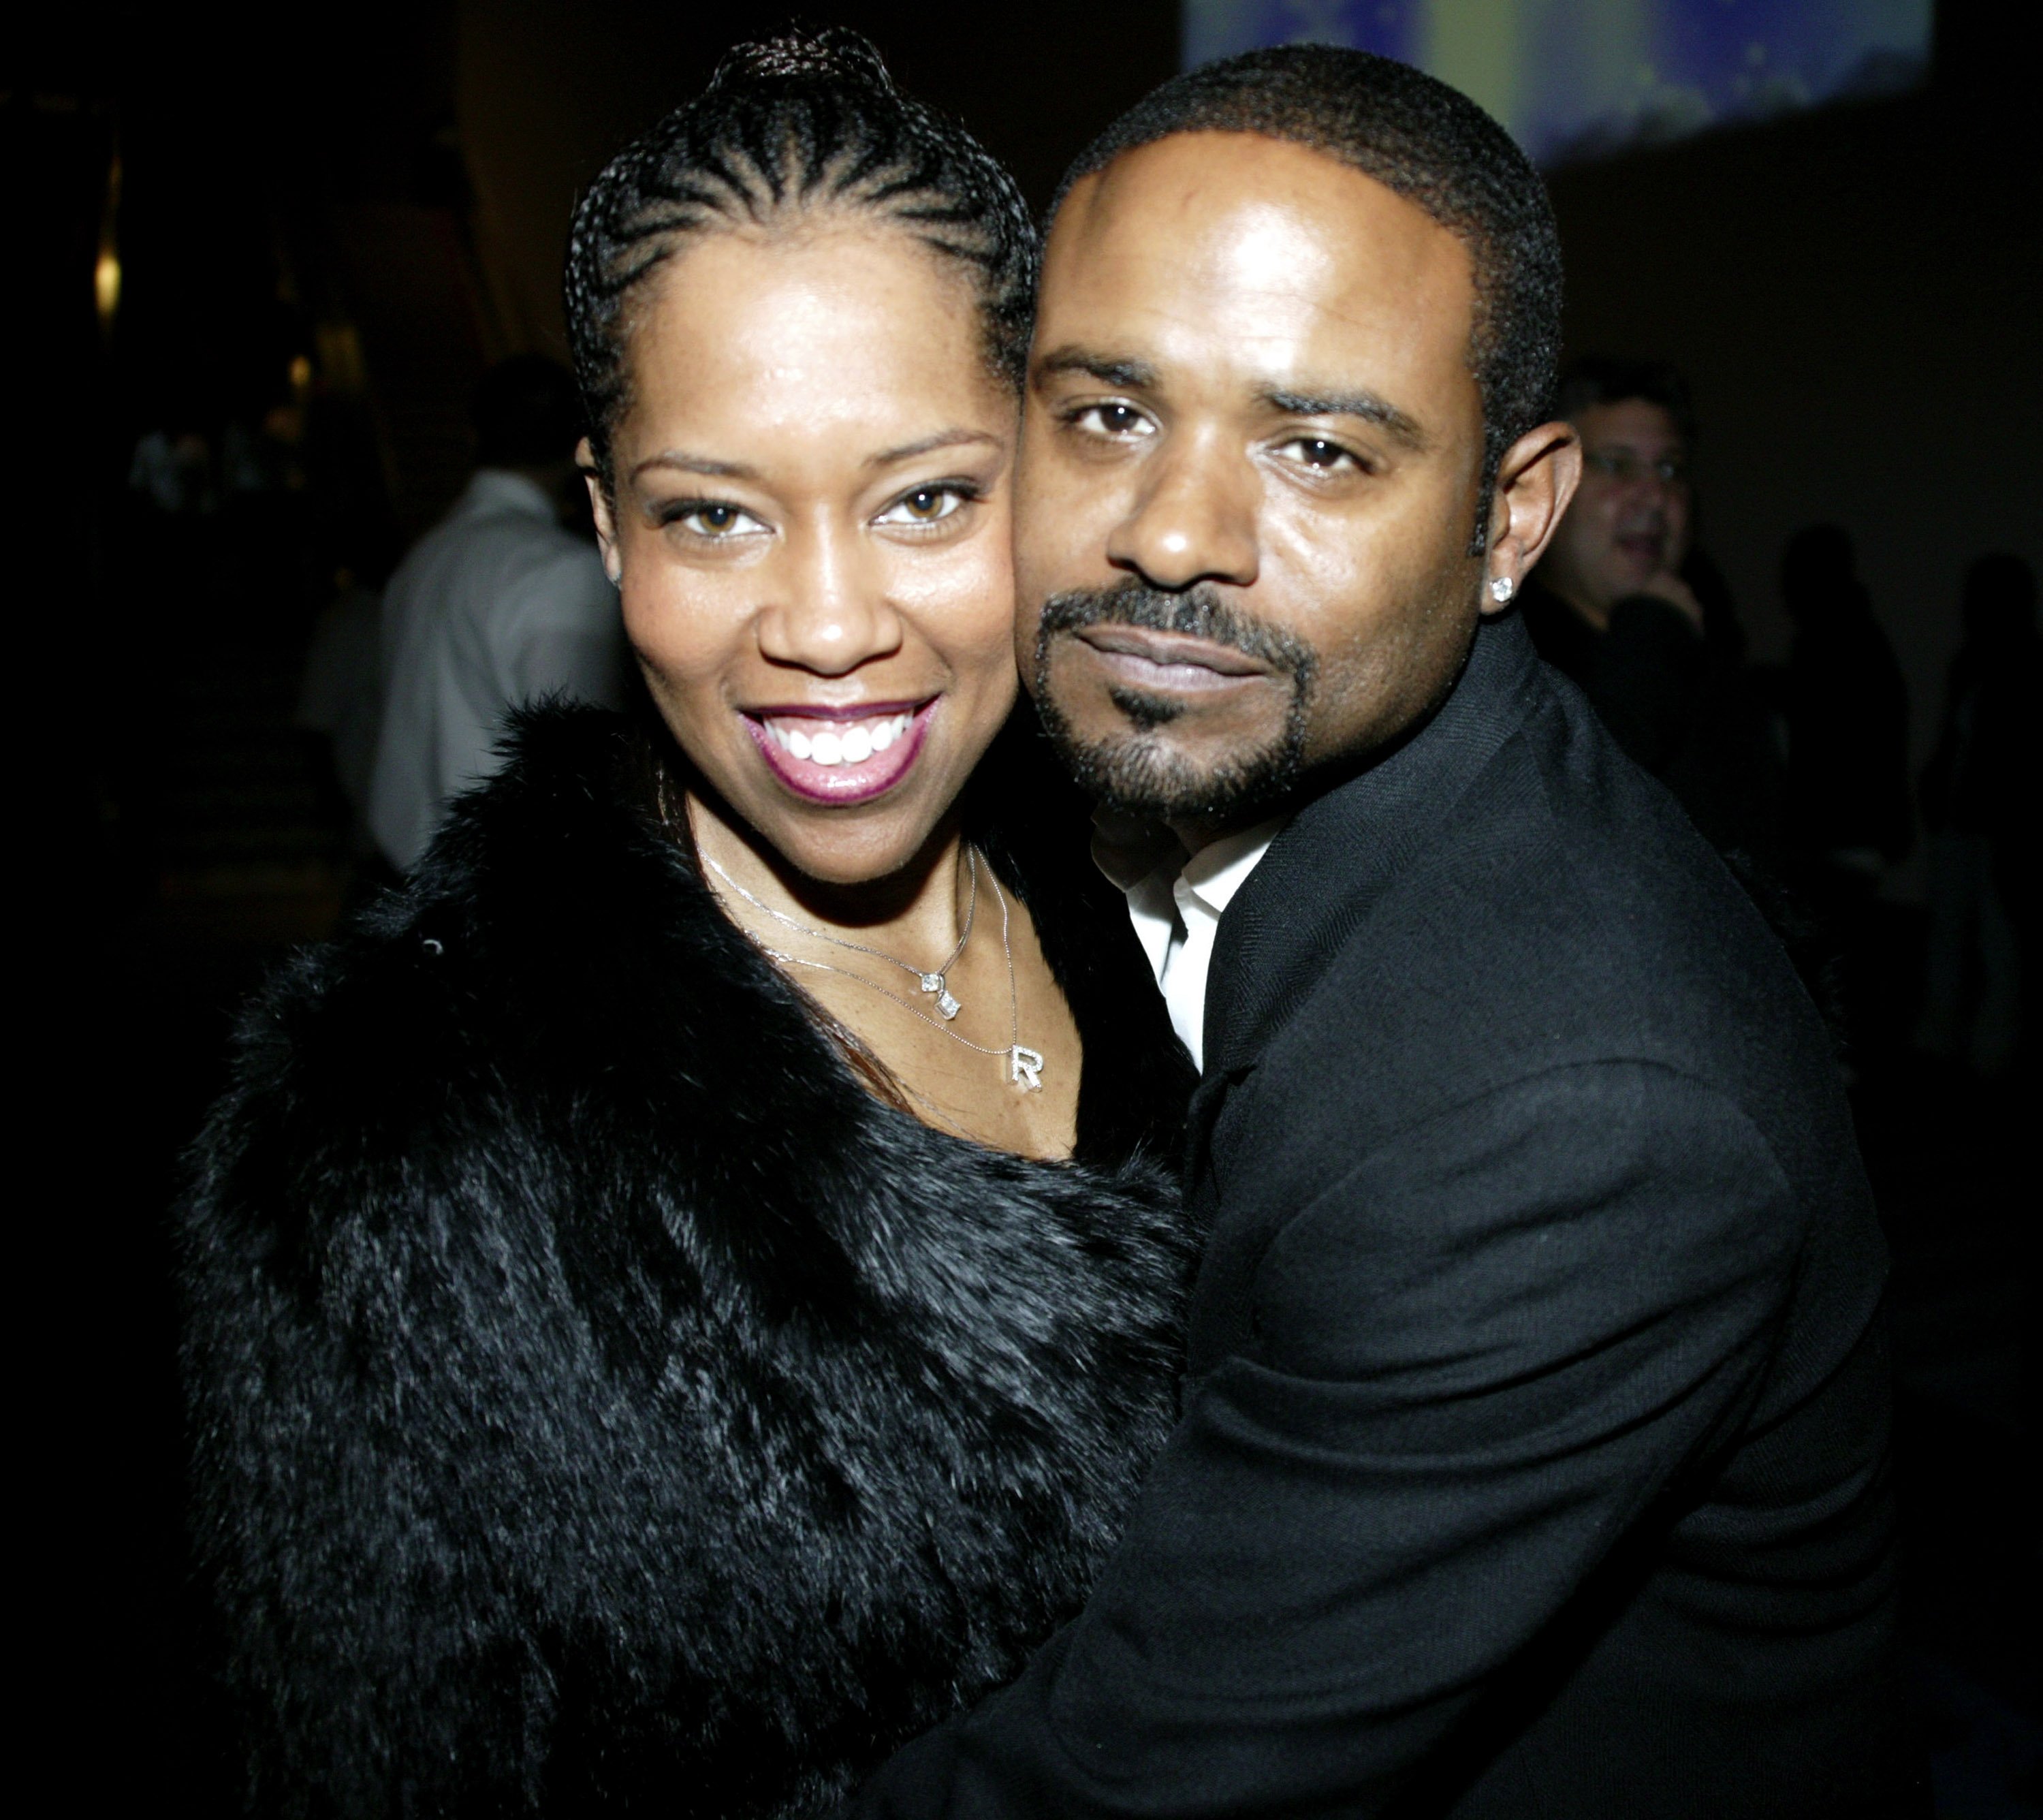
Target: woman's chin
<point>836,857</point>
<point>848,844</point>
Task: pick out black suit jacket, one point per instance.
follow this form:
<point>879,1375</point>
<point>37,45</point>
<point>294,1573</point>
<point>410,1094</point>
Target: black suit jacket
<point>1533,1455</point>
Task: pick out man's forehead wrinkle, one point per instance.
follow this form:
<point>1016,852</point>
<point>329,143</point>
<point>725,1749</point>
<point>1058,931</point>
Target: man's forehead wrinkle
<point>1272,311</point>
<point>1160,279</point>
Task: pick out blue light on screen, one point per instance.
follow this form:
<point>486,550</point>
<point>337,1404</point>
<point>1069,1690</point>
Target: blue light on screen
<point>1578,78</point>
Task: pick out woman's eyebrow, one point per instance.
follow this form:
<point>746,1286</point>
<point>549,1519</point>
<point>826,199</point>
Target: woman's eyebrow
<point>696,464</point>
<point>925,445</point>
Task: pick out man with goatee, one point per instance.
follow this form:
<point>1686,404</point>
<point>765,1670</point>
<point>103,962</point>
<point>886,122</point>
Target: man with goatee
<point>1533,1456</point>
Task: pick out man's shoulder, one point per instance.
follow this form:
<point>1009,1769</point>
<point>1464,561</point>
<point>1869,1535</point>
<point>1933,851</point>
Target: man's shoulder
<point>1577,881</point>
<point>481,547</point>
<point>1563,914</point>
<point>518,548</point>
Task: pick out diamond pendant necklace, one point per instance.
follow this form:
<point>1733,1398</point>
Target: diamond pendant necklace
<point>932,984</point>
<point>1025,1065</point>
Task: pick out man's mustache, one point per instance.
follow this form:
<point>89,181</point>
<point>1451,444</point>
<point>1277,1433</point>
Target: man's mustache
<point>1197,612</point>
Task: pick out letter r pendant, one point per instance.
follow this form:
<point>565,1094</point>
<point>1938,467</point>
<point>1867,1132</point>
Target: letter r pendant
<point>1025,1068</point>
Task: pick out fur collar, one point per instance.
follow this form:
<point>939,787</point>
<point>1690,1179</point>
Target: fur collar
<point>600,1397</point>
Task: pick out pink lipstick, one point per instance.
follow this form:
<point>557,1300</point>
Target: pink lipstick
<point>841,755</point>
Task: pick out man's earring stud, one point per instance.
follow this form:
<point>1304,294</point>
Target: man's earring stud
<point>1501,589</point>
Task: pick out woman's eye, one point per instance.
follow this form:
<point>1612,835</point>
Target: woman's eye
<point>1112,420</point>
<point>711,518</point>
<point>1317,452</point>
<point>926,506</point>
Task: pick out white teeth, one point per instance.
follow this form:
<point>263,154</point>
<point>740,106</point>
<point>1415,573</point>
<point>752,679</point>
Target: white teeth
<point>851,745</point>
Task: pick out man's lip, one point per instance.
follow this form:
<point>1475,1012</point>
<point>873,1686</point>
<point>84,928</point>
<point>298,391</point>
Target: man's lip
<point>1171,651</point>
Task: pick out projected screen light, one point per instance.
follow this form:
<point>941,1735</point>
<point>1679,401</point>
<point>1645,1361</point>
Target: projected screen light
<point>1578,79</point>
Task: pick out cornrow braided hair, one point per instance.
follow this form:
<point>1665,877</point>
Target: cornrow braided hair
<point>808,121</point>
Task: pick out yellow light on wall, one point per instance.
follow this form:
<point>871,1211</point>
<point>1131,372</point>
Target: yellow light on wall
<point>106,268</point>
<point>106,285</point>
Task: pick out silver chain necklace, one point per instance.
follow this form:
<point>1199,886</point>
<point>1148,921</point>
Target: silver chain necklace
<point>1025,1065</point>
<point>933,983</point>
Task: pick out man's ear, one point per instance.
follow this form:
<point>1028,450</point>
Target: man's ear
<point>599,505</point>
<point>1535,481</point>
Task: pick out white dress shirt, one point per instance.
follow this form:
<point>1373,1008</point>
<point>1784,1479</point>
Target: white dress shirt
<point>1176,913</point>
<point>498,603</point>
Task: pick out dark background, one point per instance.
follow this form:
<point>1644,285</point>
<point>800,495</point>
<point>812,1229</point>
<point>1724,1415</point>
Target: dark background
<point>379,192</point>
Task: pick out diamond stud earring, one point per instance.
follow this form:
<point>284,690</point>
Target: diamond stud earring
<point>1501,589</point>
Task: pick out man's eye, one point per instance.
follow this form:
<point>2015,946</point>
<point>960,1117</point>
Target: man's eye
<point>1112,420</point>
<point>1317,452</point>
<point>1624,466</point>
<point>926,506</point>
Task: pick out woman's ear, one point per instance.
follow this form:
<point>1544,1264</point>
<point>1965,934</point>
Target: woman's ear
<point>1535,481</point>
<point>599,505</point>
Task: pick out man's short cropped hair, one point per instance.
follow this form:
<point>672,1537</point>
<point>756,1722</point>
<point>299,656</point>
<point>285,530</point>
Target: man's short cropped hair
<point>1428,144</point>
<point>1605,379</point>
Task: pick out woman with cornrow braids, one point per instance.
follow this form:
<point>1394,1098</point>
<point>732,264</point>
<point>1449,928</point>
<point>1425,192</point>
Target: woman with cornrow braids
<point>680,1295</point>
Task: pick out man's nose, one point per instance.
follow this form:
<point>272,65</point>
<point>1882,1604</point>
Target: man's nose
<point>827,611</point>
<point>1193,520</point>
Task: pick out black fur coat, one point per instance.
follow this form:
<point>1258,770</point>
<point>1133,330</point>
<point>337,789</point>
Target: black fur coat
<point>600,1402</point>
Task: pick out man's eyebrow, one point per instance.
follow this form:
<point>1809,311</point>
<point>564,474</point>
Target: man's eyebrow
<point>1110,369</point>
<point>929,445</point>
<point>1366,405</point>
<point>696,464</point>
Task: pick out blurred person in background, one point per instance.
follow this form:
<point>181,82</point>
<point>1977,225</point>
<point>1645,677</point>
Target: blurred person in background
<point>1843,707</point>
<point>1846,710</point>
<point>1643,622</point>
<point>172,470</point>
<point>1982,791</point>
<point>340,701</point>
<point>499,604</point>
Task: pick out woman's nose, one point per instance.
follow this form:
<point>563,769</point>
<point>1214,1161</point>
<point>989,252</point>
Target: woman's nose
<point>1193,520</point>
<point>828,611</point>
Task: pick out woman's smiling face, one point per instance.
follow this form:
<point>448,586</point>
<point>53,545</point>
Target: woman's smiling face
<point>812,524</point>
